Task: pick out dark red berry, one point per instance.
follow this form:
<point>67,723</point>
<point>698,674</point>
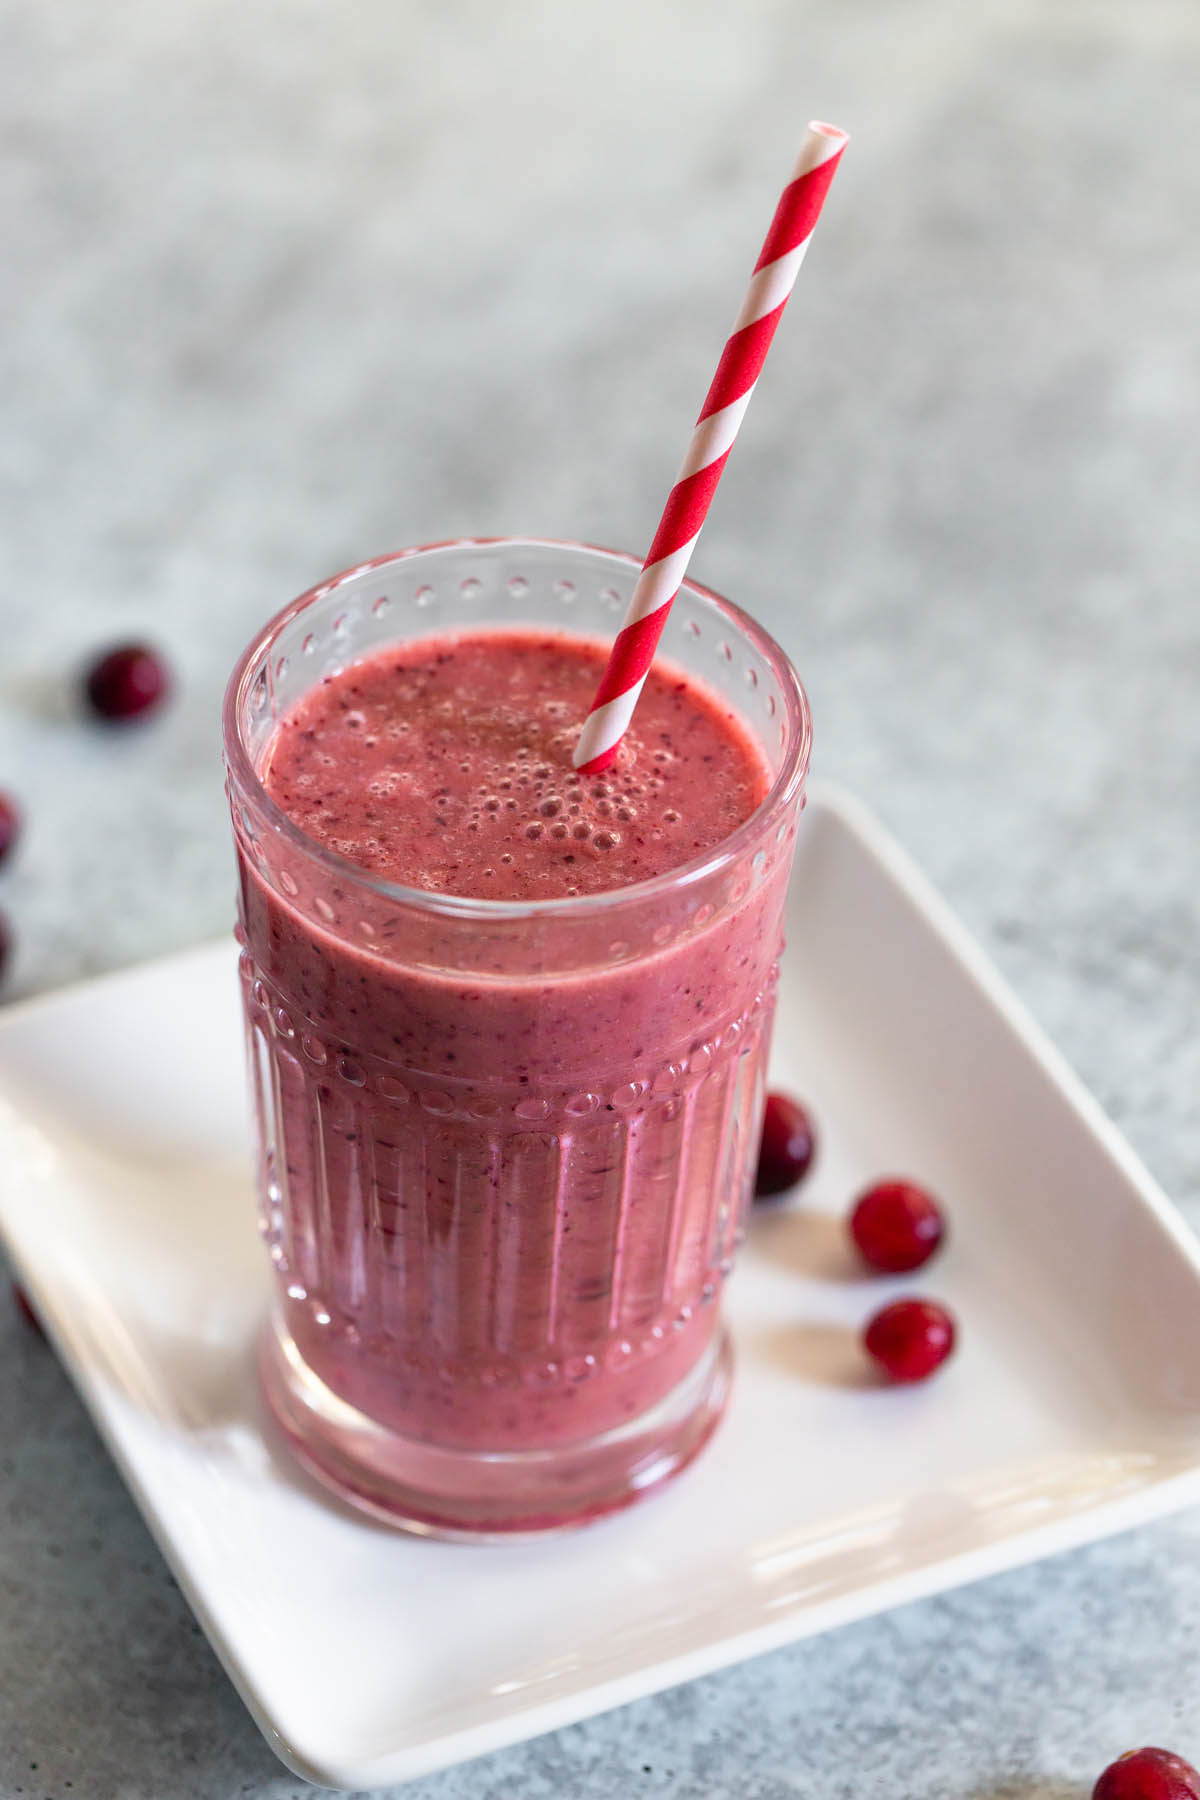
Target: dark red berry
<point>10,824</point>
<point>127,682</point>
<point>24,1307</point>
<point>910,1338</point>
<point>897,1226</point>
<point>1148,1774</point>
<point>787,1148</point>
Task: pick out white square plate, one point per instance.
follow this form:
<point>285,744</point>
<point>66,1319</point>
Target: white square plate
<point>1071,1409</point>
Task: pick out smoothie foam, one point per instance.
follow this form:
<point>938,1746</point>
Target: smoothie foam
<point>446,764</point>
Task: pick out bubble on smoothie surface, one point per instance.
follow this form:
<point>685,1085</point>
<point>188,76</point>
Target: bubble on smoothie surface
<point>446,763</point>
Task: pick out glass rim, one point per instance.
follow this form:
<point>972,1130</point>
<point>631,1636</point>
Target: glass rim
<point>789,779</point>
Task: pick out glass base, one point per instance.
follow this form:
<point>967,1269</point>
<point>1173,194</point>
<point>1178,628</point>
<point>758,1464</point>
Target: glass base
<point>480,1494</point>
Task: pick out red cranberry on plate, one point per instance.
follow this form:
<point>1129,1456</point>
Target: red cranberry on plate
<point>897,1226</point>
<point>787,1148</point>
<point>127,682</point>
<point>910,1339</point>
<point>10,823</point>
<point>1148,1774</point>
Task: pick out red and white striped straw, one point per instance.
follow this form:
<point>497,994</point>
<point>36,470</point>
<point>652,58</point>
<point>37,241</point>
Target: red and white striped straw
<point>722,413</point>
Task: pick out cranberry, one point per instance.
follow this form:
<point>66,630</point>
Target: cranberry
<point>787,1147</point>
<point>897,1226</point>
<point>126,682</point>
<point>25,1308</point>
<point>10,824</point>
<point>1148,1774</point>
<point>910,1338</point>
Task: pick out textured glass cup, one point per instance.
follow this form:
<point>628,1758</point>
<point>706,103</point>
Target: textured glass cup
<point>504,1148</point>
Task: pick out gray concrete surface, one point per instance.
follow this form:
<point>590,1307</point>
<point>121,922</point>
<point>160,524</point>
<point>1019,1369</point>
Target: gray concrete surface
<point>286,283</point>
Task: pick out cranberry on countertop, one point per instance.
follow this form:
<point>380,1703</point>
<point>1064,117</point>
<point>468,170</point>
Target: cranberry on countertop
<point>1148,1774</point>
<point>910,1338</point>
<point>897,1226</point>
<point>10,823</point>
<point>787,1148</point>
<point>127,682</point>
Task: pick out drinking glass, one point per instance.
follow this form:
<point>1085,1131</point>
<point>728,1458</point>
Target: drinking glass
<point>504,1148</point>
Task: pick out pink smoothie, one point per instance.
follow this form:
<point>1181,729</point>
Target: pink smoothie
<point>501,1204</point>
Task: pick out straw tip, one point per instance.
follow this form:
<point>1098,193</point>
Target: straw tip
<point>833,133</point>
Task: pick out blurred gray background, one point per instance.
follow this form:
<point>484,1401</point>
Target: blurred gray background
<point>287,283</point>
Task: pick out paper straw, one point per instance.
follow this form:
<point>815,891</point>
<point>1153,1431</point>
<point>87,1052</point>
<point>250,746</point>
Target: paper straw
<point>722,413</point>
